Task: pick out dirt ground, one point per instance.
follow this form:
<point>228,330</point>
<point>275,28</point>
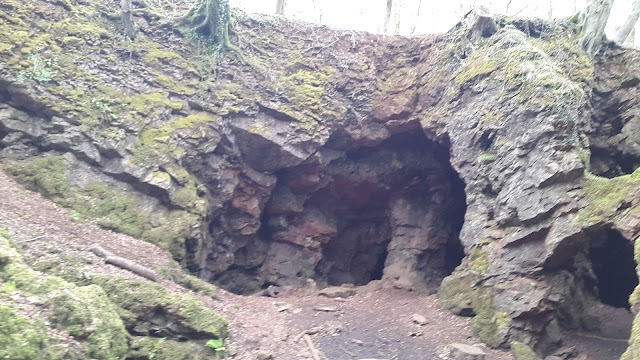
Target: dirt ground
<point>375,323</point>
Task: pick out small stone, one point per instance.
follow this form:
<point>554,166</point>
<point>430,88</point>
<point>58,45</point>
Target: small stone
<point>325,308</point>
<point>415,333</point>
<point>419,319</point>
<point>283,308</point>
<point>337,292</point>
<point>465,352</point>
<point>263,355</point>
<point>357,342</point>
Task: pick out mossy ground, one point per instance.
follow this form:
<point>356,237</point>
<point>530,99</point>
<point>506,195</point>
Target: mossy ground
<point>82,312</point>
<point>22,338</point>
<point>97,310</point>
<point>111,207</point>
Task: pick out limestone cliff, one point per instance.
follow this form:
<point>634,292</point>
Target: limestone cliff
<point>499,149</point>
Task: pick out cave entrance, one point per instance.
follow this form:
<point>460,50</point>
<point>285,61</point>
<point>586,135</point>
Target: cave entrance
<point>613,264</point>
<point>392,212</point>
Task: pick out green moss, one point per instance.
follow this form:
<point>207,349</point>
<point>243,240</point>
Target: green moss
<point>166,349</point>
<point>478,66</point>
<point>456,294</point>
<point>523,352</point>
<point>22,338</point>
<point>45,175</point>
<point>158,143</point>
<point>83,312</point>
<point>520,64</point>
<point>486,157</point>
<point>605,195</point>
<point>171,85</point>
<point>176,274</point>
<point>87,315</point>
<point>489,324</point>
<point>145,102</point>
<point>113,208</point>
<point>308,95</point>
<point>479,260</point>
<point>139,301</point>
<point>13,268</point>
<point>158,57</point>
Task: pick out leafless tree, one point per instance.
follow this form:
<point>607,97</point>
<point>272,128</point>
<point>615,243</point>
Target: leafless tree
<point>280,6</point>
<point>630,23</point>
<point>413,30</point>
<point>387,16</point>
<point>127,19</point>
<point>594,19</point>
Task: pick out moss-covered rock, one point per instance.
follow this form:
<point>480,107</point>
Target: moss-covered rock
<point>459,295</point>
<point>83,312</point>
<point>45,175</point>
<point>606,195</point>
<point>523,352</point>
<point>22,338</point>
<point>490,324</point>
<point>112,207</point>
<point>149,306</point>
<point>154,348</point>
<point>86,313</point>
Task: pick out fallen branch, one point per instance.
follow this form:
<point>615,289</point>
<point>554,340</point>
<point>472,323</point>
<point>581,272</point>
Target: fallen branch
<point>312,331</point>
<point>32,239</point>
<point>100,251</point>
<point>123,263</point>
<point>314,352</point>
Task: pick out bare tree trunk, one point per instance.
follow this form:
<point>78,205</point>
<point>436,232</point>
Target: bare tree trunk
<point>387,16</point>
<point>595,19</point>
<point>629,24</point>
<point>280,6</point>
<point>396,17</point>
<point>413,30</point>
<point>127,19</point>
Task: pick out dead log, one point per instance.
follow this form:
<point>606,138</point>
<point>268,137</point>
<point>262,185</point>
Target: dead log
<point>100,251</point>
<point>132,266</point>
<point>123,263</point>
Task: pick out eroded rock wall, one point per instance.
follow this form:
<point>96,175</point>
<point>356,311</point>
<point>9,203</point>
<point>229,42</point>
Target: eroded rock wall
<point>336,156</point>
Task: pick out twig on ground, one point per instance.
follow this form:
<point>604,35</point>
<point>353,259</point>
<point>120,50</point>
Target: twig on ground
<point>312,331</point>
<point>32,239</point>
<point>314,352</point>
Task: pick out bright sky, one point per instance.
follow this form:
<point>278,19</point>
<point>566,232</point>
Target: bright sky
<point>434,16</point>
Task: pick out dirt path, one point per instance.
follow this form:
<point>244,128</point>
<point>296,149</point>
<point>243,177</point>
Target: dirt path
<point>372,324</point>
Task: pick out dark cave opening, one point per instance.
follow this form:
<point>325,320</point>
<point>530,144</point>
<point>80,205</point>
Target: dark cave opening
<point>613,264</point>
<point>397,208</point>
<point>613,143</point>
<point>392,211</point>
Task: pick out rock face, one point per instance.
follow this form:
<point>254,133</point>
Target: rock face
<point>344,160</point>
